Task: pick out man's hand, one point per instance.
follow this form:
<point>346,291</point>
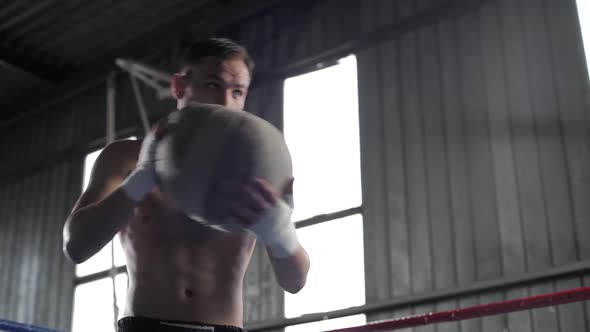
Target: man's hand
<point>267,214</point>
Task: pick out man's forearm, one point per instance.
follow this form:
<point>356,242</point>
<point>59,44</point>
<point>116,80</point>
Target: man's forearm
<point>291,271</point>
<point>89,228</point>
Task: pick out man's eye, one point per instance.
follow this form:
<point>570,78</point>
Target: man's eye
<point>238,93</point>
<point>212,85</point>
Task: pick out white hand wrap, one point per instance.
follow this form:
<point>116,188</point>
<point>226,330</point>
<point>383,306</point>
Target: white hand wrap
<point>138,183</point>
<point>277,231</point>
<point>143,178</point>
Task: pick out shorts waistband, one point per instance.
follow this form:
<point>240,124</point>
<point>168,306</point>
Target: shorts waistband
<point>145,324</point>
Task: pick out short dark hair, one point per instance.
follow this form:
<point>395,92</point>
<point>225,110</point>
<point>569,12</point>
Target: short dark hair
<point>223,48</point>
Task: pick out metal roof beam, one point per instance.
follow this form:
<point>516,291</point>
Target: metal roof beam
<point>30,67</point>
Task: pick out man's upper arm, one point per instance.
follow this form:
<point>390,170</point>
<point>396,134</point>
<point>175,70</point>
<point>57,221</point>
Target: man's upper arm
<point>110,169</point>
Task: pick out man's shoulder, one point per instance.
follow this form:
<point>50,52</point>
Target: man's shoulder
<point>123,149</point>
<point>119,156</point>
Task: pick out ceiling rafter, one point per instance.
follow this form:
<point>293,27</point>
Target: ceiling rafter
<point>211,18</point>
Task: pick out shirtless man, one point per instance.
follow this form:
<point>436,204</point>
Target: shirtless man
<point>183,276</point>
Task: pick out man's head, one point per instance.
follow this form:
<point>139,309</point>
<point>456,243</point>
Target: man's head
<point>214,71</point>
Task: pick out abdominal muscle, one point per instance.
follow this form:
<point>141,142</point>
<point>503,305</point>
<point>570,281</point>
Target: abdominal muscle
<point>181,270</point>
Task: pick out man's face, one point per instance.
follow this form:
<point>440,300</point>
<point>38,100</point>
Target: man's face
<point>216,81</point>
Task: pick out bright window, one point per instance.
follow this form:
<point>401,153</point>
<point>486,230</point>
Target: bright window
<point>93,304</point>
<point>322,130</point>
<point>584,16</point>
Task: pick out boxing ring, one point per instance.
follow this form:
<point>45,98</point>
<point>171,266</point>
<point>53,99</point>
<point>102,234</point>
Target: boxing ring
<point>478,311</point>
<point>6,325</point>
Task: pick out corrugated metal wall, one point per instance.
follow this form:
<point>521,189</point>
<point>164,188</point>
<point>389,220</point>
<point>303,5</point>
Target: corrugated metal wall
<point>40,179</point>
<point>476,158</point>
<point>36,280</point>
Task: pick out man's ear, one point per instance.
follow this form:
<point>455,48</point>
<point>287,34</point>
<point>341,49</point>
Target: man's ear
<point>177,85</point>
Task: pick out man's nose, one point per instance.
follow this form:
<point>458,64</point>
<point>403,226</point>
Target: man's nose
<point>224,98</point>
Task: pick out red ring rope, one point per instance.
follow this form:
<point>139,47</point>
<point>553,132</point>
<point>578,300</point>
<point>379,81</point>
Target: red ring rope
<point>525,303</point>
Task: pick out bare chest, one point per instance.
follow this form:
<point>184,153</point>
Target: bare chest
<point>159,231</point>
